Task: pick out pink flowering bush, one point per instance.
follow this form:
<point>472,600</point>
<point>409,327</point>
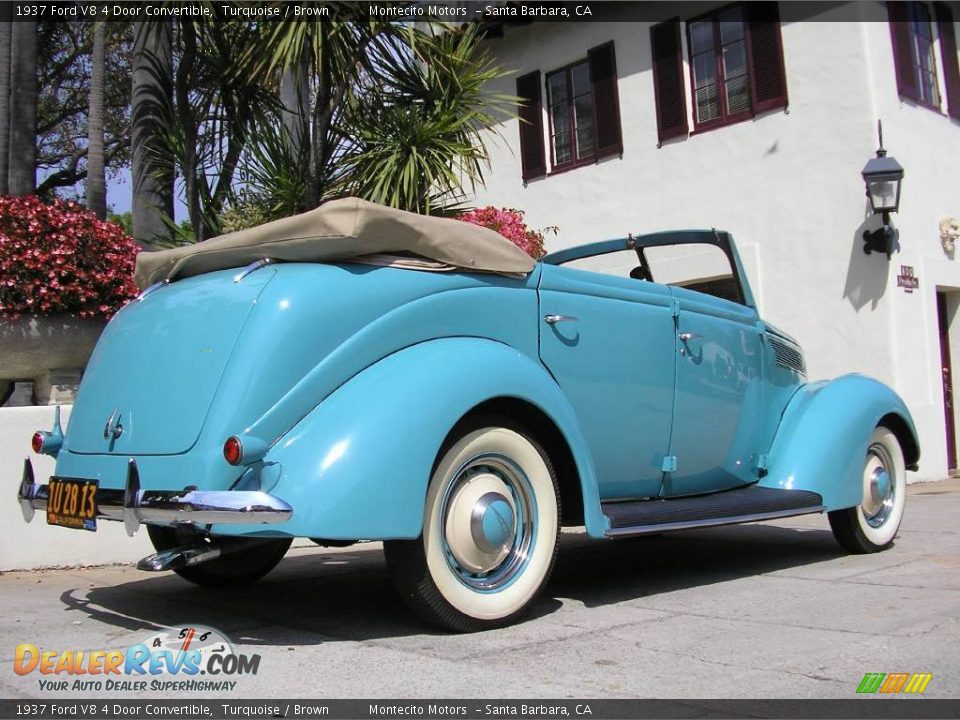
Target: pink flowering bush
<point>58,258</point>
<point>509,223</point>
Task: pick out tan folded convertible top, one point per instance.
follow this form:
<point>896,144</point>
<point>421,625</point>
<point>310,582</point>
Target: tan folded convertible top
<point>341,230</point>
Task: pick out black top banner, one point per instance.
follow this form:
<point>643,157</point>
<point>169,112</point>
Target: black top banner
<point>495,12</point>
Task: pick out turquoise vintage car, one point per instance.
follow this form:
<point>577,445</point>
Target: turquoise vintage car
<point>371,375</point>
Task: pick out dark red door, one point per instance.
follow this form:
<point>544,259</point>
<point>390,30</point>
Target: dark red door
<point>947,380</point>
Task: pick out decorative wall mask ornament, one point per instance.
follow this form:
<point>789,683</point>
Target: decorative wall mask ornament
<point>949,234</point>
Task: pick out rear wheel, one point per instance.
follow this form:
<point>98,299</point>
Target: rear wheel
<point>873,524</point>
<point>231,569</point>
<point>490,528</point>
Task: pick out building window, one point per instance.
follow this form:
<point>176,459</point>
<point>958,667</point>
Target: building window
<point>915,31</point>
<point>570,109</point>
<point>924,62</point>
<point>735,57</point>
<point>718,67</point>
<point>583,114</point>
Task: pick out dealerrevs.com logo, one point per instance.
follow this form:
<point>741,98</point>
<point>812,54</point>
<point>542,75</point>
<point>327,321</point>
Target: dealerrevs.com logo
<point>190,658</point>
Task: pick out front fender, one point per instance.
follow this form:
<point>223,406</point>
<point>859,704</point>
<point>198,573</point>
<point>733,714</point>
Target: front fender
<point>824,434</point>
<point>358,465</point>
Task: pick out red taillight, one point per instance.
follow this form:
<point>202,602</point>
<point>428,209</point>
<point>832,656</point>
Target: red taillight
<point>233,450</point>
<point>36,442</point>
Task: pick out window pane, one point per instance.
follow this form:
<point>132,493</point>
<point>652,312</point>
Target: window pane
<point>731,26</point>
<point>580,75</point>
<point>708,105</point>
<point>701,36</point>
<point>560,118</point>
<point>704,70</point>
<point>583,108</point>
<point>557,84</point>
<point>738,95</point>
<point>734,61</point>
<point>562,152</point>
<point>696,266</point>
<point>618,263</point>
<point>923,59</point>
<point>584,142</point>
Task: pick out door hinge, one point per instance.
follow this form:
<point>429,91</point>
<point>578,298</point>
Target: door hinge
<point>675,307</point>
<point>669,464</point>
<point>759,463</point>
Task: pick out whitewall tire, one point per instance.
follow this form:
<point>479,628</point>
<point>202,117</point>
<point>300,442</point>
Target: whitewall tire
<point>873,524</point>
<point>490,527</point>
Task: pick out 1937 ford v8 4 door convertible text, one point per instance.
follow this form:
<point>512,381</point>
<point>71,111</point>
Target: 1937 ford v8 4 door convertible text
<point>362,373</point>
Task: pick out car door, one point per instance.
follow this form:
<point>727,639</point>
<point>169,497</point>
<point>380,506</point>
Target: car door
<point>718,421</point>
<point>609,342</point>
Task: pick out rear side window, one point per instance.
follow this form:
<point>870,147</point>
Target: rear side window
<point>700,267</point>
<point>619,264</point>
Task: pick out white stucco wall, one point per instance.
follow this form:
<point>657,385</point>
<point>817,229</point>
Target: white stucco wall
<point>786,184</point>
<point>38,545</point>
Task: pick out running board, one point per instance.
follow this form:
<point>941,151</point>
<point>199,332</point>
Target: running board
<point>748,504</point>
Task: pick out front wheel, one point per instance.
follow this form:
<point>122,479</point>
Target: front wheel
<point>490,528</point>
<point>873,524</point>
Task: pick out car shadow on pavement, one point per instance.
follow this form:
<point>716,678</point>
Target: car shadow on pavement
<point>316,596</point>
<point>604,573</point>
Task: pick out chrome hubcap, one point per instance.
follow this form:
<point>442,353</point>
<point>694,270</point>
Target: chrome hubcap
<point>492,522</point>
<point>879,488</point>
<point>488,518</point>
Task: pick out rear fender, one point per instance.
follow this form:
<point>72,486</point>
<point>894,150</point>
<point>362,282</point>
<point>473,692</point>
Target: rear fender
<point>357,466</point>
<point>824,434</point>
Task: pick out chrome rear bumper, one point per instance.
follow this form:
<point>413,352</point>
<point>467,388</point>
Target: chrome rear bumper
<point>134,506</point>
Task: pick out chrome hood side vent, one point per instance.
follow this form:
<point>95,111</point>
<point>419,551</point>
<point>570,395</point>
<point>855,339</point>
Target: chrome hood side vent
<point>786,354</point>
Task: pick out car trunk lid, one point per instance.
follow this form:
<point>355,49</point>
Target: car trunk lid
<point>156,369</point>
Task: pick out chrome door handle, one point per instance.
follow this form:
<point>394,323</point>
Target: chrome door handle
<point>554,319</point>
<point>685,336</point>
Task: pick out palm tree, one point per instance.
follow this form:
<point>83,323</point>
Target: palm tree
<point>22,173</point>
<point>397,115</point>
<point>152,176</point>
<point>96,175</point>
<point>6,14</point>
<point>335,50</point>
<point>415,132</point>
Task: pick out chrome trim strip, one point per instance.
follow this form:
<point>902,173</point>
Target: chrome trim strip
<point>255,265</point>
<point>134,506</point>
<point>729,520</point>
<point>156,286</point>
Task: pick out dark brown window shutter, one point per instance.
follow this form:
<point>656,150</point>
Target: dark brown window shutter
<point>668,87</point>
<point>532,158</point>
<point>606,100</point>
<point>768,79</point>
<point>948,49</point>
<point>902,50</point>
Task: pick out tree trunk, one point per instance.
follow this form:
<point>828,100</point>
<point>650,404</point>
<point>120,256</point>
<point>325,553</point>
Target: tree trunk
<point>96,175</point>
<point>189,126</point>
<point>152,178</point>
<point>6,29</point>
<point>22,174</point>
<point>295,99</point>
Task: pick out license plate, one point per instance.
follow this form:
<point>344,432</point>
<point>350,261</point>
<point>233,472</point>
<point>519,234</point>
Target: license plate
<point>72,503</point>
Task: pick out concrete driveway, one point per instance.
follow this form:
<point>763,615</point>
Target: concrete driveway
<point>767,610</point>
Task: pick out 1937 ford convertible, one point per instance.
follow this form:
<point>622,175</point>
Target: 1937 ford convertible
<point>362,373</point>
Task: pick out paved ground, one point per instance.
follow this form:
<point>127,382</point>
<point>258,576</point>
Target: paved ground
<point>767,610</point>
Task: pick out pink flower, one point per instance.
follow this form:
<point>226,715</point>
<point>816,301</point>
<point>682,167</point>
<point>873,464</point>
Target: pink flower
<point>59,258</point>
<point>509,223</point>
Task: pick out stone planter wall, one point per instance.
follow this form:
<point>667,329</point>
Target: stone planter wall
<point>51,352</point>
